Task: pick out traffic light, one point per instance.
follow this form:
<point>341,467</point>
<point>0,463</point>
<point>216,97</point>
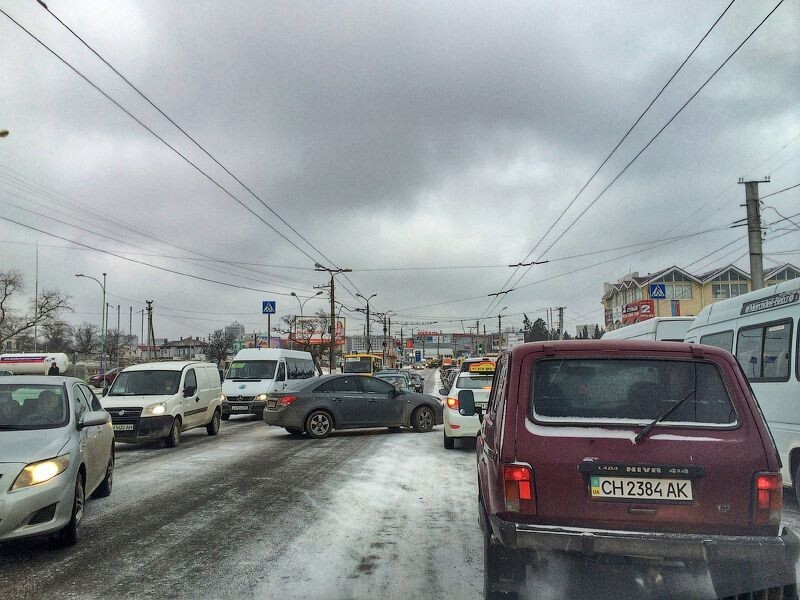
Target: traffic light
<point>480,348</point>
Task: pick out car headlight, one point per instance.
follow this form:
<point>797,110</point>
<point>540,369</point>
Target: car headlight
<point>224,398</point>
<point>41,471</point>
<point>154,410</point>
<point>261,397</point>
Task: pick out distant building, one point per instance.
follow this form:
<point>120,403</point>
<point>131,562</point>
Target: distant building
<point>234,331</point>
<point>628,300</point>
<point>357,344</point>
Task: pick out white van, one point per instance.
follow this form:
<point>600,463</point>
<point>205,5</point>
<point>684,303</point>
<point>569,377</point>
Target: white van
<point>659,329</point>
<point>760,329</point>
<point>256,372</point>
<point>160,400</point>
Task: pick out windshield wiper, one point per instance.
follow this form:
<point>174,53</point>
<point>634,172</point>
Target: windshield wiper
<point>660,418</point>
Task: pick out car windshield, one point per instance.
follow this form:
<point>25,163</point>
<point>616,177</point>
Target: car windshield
<point>32,407</point>
<point>396,380</point>
<point>474,382</point>
<point>357,365</point>
<point>630,390</point>
<point>252,369</point>
<point>146,383</point>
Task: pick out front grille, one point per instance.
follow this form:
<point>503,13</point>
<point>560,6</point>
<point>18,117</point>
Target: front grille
<point>240,398</point>
<point>128,415</point>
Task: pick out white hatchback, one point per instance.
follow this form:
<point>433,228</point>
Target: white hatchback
<point>457,425</point>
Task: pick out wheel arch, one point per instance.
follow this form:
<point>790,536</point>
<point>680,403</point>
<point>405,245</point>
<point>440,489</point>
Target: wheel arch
<point>322,408</point>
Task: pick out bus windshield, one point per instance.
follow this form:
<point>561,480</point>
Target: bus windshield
<point>358,364</point>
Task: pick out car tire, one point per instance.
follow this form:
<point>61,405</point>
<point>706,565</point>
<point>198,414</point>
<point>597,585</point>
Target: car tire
<point>294,431</point>
<point>174,437</point>
<point>68,535</point>
<point>422,420</point>
<point>319,424</point>
<point>449,443</point>
<point>104,489</point>
<point>225,417</point>
<point>212,428</point>
<point>503,571</point>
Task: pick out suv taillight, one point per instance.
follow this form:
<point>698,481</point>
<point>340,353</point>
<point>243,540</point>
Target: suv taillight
<point>287,400</point>
<point>768,498</point>
<point>518,484</point>
<point>452,403</point>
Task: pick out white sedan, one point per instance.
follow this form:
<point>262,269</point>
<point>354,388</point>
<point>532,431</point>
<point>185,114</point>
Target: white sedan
<point>56,449</point>
<point>457,425</point>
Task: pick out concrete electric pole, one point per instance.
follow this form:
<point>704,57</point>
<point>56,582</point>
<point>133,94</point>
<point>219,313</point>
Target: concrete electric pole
<point>332,328</point>
<point>561,322</point>
<point>754,231</point>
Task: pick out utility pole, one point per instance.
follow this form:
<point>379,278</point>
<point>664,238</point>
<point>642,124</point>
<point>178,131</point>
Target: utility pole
<point>754,231</point>
<point>150,336</point>
<point>141,337</point>
<point>119,345</point>
<point>477,331</point>
<point>369,341</point>
<point>332,328</point>
<point>384,340</point>
<point>561,322</point>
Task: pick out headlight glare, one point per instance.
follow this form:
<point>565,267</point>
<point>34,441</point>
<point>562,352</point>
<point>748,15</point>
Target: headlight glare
<point>154,410</point>
<point>261,397</point>
<point>41,471</point>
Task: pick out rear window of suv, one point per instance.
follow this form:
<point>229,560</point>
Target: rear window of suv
<point>629,391</point>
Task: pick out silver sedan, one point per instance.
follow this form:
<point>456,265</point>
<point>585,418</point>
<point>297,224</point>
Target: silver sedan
<point>56,449</point>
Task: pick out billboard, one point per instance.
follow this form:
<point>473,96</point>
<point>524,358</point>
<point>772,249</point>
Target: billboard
<point>314,331</point>
<point>638,311</point>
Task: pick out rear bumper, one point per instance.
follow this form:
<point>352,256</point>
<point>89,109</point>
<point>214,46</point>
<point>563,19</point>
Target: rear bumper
<point>649,545</point>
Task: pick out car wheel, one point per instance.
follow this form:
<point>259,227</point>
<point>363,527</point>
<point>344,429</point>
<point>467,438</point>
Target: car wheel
<point>319,424</point>
<point>225,417</point>
<point>174,437</point>
<point>213,425</point>
<point>68,536</point>
<point>294,431</point>
<point>503,571</point>
<point>449,443</point>
<point>422,419</point>
<point>104,489</point>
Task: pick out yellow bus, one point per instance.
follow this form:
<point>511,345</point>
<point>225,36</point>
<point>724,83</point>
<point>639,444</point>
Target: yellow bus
<point>366,364</point>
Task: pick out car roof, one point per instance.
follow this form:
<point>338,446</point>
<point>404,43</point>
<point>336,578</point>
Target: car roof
<point>169,365</point>
<point>39,379</point>
<point>607,346</point>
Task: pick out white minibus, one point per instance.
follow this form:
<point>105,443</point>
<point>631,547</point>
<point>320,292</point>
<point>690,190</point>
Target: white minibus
<point>256,372</point>
<point>760,329</point>
<point>659,329</point>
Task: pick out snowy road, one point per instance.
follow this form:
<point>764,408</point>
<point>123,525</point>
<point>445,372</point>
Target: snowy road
<point>255,513</point>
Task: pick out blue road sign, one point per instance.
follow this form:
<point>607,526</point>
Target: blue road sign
<point>658,291</point>
<point>268,307</point>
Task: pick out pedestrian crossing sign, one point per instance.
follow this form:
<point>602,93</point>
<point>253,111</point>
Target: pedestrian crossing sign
<point>658,291</point>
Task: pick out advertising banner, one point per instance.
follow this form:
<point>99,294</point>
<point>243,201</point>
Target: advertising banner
<point>638,311</point>
<point>313,331</point>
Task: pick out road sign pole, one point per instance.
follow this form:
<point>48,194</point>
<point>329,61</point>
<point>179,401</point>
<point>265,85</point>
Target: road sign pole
<point>269,330</point>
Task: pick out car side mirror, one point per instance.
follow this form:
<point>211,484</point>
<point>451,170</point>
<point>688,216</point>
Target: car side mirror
<point>281,377</point>
<point>466,403</point>
<point>105,391</point>
<point>188,392</point>
<point>443,391</point>
<point>92,418</point>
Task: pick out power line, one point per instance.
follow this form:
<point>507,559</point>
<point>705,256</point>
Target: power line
<point>652,139</point>
<point>791,187</point>
<point>139,262</point>
<point>613,150</point>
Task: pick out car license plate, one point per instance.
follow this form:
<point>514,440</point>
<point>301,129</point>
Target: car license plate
<point>238,407</point>
<point>123,427</point>
<point>630,488</point>
<point>272,404</point>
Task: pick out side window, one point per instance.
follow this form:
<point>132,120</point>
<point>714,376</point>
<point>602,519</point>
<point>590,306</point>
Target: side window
<point>81,403</point>
<point>94,403</point>
<point>343,384</point>
<point>191,380</point>
<point>308,369</point>
<point>722,339</point>
<point>291,368</point>
<point>498,384</point>
<point>372,385</point>
<point>764,351</point>
<point>281,376</point>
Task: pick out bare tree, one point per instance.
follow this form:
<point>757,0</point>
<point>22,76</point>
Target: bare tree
<point>57,336</point>
<point>87,338</point>
<point>218,346</point>
<point>42,311</point>
<point>308,333</point>
<point>116,341</point>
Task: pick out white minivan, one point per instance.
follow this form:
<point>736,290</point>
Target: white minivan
<point>658,329</point>
<point>160,400</point>
<point>761,330</point>
<point>257,372</point>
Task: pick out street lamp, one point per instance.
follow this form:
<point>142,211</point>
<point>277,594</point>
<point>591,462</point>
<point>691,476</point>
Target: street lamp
<point>4,133</point>
<point>369,339</point>
<point>103,325</point>
<point>303,303</point>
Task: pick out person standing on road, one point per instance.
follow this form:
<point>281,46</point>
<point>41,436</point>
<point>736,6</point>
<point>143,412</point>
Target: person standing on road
<point>53,370</point>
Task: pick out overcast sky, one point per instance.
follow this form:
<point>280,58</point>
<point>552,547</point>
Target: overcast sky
<point>389,135</point>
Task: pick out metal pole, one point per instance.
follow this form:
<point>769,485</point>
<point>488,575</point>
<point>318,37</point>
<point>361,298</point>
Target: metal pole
<point>369,339</point>
<point>269,330</point>
<point>332,324</point>
<point>36,301</point>
<point>561,322</point>
<point>754,233</point>
<point>118,340</point>
<point>103,333</point>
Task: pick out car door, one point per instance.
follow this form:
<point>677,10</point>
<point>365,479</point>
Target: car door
<point>203,394</point>
<point>280,378</point>
<point>347,401</point>
<point>192,411</point>
<point>384,403</point>
<point>105,433</point>
<point>89,440</point>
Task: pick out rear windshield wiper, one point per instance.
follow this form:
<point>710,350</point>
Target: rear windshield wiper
<point>660,418</point>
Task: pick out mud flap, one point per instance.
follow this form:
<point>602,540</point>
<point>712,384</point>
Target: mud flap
<point>504,568</point>
<point>774,579</point>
